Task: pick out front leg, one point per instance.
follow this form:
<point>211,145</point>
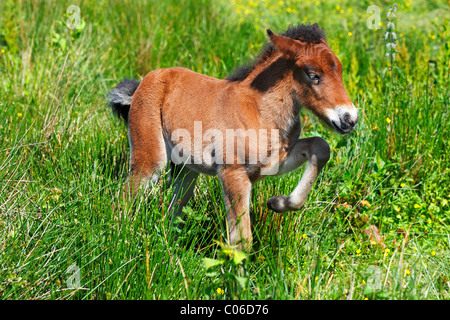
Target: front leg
<point>316,151</point>
<point>236,188</point>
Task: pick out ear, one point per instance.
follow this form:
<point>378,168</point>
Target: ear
<point>286,45</point>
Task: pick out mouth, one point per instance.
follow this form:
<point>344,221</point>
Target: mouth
<point>339,129</point>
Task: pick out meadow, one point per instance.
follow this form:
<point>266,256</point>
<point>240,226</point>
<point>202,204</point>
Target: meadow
<point>376,224</point>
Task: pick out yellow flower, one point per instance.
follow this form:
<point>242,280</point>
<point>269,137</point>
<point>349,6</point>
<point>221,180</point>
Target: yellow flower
<point>19,115</point>
<point>365,203</point>
<point>358,251</point>
<point>408,271</point>
<point>373,243</point>
<point>350,34</point>
<point>366,298</point>
<point>363,282</point>
<point>220,291</point>
<point>388,120</point>
<point>305,236</point>
<point>433,253</point>
<point>3,50</point>
<point>402,184</point>
<point>316,278</point>
<point>417,206</point>
<point>375,128</point>
<point>387,250</point>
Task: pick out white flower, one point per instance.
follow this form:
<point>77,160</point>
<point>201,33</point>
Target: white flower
<point>394,36</point>
<point>390,45</point>
<point>391,14</point>
<point>390,25</point>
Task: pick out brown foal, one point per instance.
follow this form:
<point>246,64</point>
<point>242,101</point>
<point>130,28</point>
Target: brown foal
<point>241,128</point>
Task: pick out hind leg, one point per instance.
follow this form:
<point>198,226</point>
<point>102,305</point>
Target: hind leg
<point>148,150</point>
<point>183,182</point>
<point>145,171</point>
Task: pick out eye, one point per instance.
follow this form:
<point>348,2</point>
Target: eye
<point>314,78</point>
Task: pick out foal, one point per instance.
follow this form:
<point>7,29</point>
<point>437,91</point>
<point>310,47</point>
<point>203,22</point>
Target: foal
<point>194,122</point>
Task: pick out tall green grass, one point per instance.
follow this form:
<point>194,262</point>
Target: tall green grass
<point>64,158</point>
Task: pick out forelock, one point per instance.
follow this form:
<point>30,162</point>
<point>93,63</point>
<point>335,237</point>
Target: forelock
<point>308,33</point>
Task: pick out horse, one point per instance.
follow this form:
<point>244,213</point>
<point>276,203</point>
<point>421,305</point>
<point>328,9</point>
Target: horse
<point>197,124</point>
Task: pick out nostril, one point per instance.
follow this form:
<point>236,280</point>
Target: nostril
<point>347,119</point>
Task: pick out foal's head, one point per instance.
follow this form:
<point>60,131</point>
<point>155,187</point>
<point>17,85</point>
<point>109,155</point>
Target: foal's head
<point>318,78</point>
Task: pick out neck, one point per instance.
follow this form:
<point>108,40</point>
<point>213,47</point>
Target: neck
<point>277,103</point>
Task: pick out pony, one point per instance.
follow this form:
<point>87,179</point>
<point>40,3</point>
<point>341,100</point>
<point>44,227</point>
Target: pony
<point>241,128</point>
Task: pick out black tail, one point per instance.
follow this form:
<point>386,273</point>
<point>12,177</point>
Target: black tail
<point>120,97</point>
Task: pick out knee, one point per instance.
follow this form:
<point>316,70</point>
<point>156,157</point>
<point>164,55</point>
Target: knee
<point>321,149</point>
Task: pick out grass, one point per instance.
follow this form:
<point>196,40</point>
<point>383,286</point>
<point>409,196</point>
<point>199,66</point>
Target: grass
<point>379,211</point>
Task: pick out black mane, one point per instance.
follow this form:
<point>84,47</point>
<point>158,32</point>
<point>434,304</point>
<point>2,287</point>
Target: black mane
<point>307,33</point>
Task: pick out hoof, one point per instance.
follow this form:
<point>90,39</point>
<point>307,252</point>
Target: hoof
<point>278,204</point>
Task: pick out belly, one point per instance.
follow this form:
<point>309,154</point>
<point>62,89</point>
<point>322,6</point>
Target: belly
<point>197,157</point>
